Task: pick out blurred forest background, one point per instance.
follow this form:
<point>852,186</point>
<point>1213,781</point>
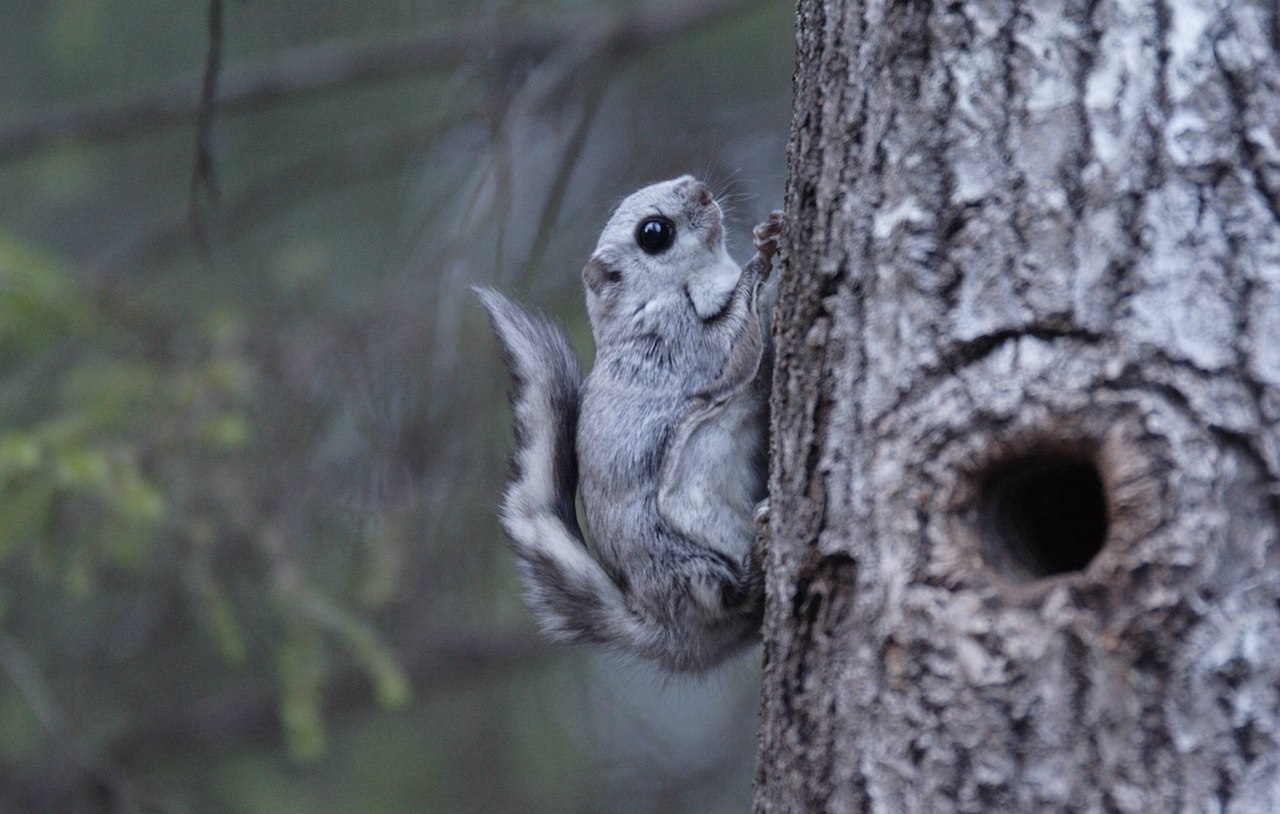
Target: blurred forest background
<point>253,425</point>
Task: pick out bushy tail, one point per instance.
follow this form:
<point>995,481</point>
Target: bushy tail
<point>570,593</point>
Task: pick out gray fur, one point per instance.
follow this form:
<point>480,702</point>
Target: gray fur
<point>670,440</point>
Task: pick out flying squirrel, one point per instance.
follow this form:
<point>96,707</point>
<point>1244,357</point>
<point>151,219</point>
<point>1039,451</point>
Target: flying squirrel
<point>665,440</point>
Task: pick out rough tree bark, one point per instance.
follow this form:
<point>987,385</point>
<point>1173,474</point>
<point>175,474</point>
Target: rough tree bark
<point>1026,480</point>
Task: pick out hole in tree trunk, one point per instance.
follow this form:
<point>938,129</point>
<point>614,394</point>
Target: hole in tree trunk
<point>1042,514</point>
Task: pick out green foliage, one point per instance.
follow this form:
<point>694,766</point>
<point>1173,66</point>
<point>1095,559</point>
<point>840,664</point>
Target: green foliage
<point>303,665</point>
<point>391,686</point>
<point>104,459</point>
<point>302,668</point>
<point>37,300</point>
<point>23,733</point>
<point>70,469</point>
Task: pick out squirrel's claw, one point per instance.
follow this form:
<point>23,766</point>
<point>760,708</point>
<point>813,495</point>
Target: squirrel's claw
<point>767,233</point>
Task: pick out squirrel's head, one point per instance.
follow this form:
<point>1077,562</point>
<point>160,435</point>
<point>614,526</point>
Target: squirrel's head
<point>662,248</point>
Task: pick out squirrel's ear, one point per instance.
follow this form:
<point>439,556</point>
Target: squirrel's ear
<point>599,273</point>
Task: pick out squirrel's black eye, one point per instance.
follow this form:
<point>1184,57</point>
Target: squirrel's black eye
<point>655,235</point>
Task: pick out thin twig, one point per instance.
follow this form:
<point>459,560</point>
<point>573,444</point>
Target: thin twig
<point>354,159</point>
<point>564,172</point>
<point>92,768</point>
<point>203,178</point>
<point>329,65</point>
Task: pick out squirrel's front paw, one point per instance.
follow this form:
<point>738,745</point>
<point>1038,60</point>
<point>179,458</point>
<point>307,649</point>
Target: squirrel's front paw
<point>766,234</point>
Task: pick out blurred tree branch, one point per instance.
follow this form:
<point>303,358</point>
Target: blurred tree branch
<point>354,158</point>
<point>328,65</point>
<point>563,172</point>
<point>251,710</point>
<point>90,767</point>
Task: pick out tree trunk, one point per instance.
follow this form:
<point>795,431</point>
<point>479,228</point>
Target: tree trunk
<point>1026,482</point>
